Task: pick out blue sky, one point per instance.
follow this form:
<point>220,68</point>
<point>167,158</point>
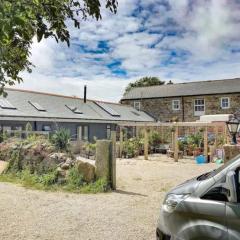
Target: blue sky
<point>185,40</point>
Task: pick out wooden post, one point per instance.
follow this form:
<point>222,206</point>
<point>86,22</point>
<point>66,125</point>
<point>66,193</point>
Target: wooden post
<point>176,144</point>
<point>226,139</point>
<point>206,143</point>
<point>216,136</point>
<point>145,143</point>
<point>173,140</point>
<point>113,163</point>
<point>121,143</point>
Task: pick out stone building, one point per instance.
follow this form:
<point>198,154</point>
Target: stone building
<point>186,101</point>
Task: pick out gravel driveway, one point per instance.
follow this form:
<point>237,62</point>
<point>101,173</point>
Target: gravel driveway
<point>129,213</point>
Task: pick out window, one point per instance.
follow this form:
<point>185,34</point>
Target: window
<point>108,109</point>
<point>83,133</point>
<point>135,113</point>
<point>46,128</point>
<point>74,109</point>
<point>108,131</point>
<point>137,105</point>
<point>6,128</point>
<point>225,102</point>
<point>37,106</point>
<point>217,194</point>
<point>5,104</point>
<point>199,107</point>
<point>175,104</point>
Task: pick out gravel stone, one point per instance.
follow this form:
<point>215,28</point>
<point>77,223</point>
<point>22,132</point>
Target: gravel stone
<point>130,213</point>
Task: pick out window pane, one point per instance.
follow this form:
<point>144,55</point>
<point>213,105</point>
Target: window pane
<point>225,103</point>
<point>137,105</point>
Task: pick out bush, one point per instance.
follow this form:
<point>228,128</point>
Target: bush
<point>48,179</point>
<point>74,178</point>
<point>61,139</point>
<point>155,139</point>
<point>132,147</point>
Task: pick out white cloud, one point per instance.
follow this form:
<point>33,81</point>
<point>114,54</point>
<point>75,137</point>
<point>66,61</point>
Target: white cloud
<point>180,40</point>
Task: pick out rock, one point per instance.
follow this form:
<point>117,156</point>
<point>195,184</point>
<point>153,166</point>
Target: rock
<point>70,161</point>
<point>3,166</point>
<point>58,157</point>
<point>61,172</point>
<point>65,166</point>
<point>87,170</point>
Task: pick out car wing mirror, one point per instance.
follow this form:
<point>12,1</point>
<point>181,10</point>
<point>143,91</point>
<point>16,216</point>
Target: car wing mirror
<point>231,186</point>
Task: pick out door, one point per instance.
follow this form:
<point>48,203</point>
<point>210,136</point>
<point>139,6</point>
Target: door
<point>233,214</point>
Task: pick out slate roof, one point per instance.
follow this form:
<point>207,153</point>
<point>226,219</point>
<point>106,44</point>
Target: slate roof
<point>186,89</point>
<point>56,109</point>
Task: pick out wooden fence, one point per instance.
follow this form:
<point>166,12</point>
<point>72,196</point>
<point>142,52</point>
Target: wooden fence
<point>176,128</point>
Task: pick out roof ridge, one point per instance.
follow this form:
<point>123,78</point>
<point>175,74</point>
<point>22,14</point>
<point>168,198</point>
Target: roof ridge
<point>200,81</point>
<point>56,95</point>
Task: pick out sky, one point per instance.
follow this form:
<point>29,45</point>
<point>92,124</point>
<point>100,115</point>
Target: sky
<point>184,40</point>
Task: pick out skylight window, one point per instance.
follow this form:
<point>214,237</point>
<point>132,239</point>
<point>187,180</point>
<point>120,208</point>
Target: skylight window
<point>37,106</point>
<point>108,109</point>
<point>135,113</point>
<point>74,109</point>
<point>5,104</point>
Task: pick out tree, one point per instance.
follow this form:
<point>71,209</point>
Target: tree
<point>21,20</point>
<point>144,82</point>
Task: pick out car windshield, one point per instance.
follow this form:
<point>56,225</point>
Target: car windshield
<point>218,170</point>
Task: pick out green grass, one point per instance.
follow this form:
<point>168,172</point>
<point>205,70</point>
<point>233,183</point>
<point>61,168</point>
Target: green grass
<point>46,183</point>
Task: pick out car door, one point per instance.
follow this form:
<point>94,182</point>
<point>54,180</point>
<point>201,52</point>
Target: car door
<point>233,213</point>
<point>203,218</point>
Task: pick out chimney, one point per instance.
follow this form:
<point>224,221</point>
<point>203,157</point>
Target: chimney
<point>85,93</point>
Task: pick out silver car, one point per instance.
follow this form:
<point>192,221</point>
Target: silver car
<point>206,207</point>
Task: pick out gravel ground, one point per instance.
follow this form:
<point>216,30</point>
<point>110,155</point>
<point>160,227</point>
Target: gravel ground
<point>129,213</point>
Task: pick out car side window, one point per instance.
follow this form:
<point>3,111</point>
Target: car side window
<point>238,183</point>
<point>216,194</point>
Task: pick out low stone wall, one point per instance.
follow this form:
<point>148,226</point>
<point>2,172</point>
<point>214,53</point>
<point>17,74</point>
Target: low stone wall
<point>230,151</point>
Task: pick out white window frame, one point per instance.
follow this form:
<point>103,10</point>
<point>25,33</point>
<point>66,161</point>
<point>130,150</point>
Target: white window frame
<point>223,98</point>
<point>174,104</point>
<point>196,112</point>
<point>137,105</point>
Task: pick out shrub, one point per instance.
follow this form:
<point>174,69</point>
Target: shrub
<point>74,178</point>
<point>154,138</point>
<point>101,185</point>
<point>48,179</point>
<point>61,139</point>
<point>132,147</point>
<point>27,178</point>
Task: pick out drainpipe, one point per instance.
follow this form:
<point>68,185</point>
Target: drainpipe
<point>183,110</point>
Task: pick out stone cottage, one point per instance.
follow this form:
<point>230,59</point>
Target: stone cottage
<point>186,101</point>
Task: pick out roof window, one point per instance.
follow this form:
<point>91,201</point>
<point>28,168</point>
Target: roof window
<point>5,104</point>
<point>108,109</point>
<point>74,109</point>
<point>37,106</point>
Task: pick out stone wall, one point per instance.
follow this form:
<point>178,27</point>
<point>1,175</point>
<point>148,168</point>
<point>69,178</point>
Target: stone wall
<point>161,108</point>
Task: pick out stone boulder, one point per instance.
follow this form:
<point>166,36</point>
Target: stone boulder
<point>86,169</point>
